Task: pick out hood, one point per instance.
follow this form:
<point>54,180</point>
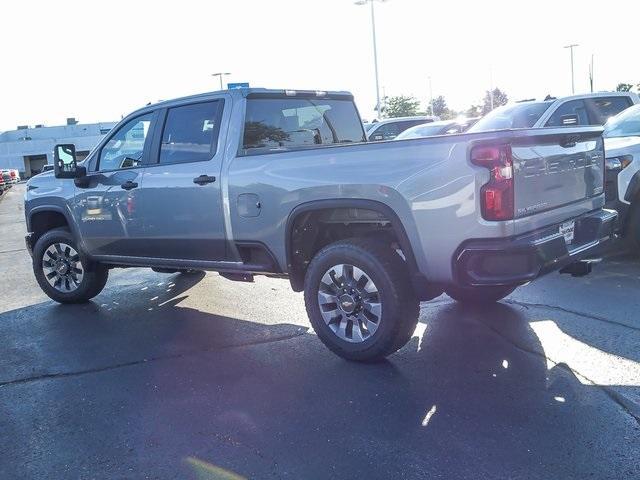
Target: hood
<point>44,177</point>
<point>615,146</point>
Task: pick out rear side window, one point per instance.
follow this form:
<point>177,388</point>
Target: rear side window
<point>563,116</point>
<point>602,108</point>
<point>282,124</point>
<point>191,133</point>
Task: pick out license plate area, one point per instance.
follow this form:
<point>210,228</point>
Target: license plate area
<point>568,231</point>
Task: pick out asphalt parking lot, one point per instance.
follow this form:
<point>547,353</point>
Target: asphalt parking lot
<point>171,376</point>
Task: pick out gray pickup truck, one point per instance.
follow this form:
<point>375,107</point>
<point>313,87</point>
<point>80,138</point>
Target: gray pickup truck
<point>283,183</point>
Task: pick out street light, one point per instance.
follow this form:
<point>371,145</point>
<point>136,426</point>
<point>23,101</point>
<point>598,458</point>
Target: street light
<point>430,96</point>
<point>571,47</point>
<point>220,75</point>
<point>375,46</point>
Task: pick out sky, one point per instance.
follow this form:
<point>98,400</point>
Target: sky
<point>97,61</point>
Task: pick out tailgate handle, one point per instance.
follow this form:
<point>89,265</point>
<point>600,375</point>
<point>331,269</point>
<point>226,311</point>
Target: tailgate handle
<point>204,179</point>
<point>569,141</point>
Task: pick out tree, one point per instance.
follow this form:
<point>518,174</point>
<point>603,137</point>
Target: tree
<point>440,109</point>
<point>624,87</point>
<point>499,98</point>
<point>474,111</point>
<point>400,106</point>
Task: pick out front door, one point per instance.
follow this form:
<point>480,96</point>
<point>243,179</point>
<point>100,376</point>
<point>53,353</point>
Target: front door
<point>106,201</point>
<point>181,200</point>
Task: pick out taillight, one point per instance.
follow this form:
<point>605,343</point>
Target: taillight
<point>496,196</point>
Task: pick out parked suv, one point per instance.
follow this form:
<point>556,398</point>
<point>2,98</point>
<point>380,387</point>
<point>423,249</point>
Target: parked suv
<point>587,109</point>
<point>392,127</point>
<point>283,183</point>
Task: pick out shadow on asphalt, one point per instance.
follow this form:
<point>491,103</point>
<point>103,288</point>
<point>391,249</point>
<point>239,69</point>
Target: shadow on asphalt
<point>260,400</point>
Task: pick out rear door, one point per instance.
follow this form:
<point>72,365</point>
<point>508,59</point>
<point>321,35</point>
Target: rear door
<point>181,203</point>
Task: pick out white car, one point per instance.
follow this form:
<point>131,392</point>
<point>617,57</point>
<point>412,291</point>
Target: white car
<point>392,127</point>
<point>443,127</point>
<point>587,109</point>
<point>622,174</point>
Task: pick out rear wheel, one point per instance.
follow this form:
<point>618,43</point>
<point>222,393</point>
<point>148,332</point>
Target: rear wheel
<point>360,300</point>
<point>479,295</point>
<point>62,273</point>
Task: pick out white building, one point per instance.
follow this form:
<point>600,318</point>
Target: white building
<point>29,149</point>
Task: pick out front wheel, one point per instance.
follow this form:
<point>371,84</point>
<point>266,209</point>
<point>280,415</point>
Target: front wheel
<point>479,295</point>
<point>62,273</point>
<point>360,300</point>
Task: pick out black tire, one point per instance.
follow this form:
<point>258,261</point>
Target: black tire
<point>399,304</point>
<point>633,228</point>
<point>94,276</point>
<point>479,295</point>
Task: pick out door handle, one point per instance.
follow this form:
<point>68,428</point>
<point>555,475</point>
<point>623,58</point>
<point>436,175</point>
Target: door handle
<point>128,185</point>
<point>204,179</point>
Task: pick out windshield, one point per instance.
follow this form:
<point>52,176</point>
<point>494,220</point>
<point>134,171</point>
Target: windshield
<point>423,131</point>
<point>625,124</point>
<point>519,115</point>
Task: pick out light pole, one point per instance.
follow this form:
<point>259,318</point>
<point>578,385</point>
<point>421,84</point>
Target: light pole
<point>491,85</point>
<point>571,47</point>
<point>375,47</point>
<point>220,75</point>
<point>430,96</point>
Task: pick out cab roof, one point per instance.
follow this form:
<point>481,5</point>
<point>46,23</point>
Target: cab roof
<point>246,92</point>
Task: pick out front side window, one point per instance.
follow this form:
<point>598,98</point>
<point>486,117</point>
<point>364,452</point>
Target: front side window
<point>281,124</point>
<point>602,109</point>
<point>126,147</point>
<point>191,133</point>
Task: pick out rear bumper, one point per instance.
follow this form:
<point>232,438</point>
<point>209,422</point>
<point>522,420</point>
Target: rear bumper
<point>517,260</point>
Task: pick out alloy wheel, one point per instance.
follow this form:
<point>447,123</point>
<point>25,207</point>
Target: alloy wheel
<point>62,267</point>
<point>350,303</point>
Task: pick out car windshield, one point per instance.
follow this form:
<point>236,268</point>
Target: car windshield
<point>424,130</point>
<point>519,115</point>
<point>625,124</point>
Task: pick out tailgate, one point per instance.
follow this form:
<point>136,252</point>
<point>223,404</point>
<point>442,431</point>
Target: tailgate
<point>556,167</point>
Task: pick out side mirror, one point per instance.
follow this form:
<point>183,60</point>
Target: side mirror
<point>377,138</point>
<point>64,161</point>
<point>569,120</point>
